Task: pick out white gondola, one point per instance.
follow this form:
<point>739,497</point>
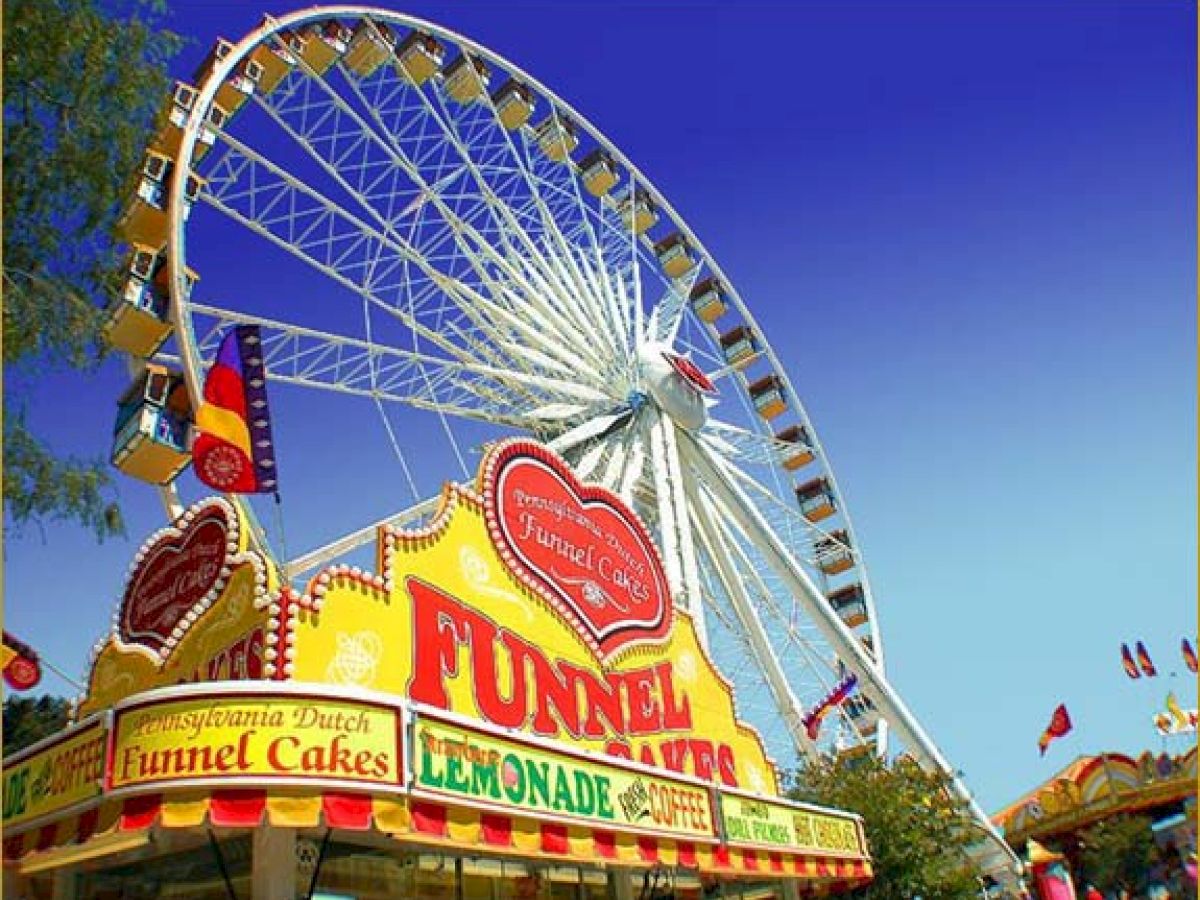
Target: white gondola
<point>816,500</point>
<point>863,714</point>
<point>466,78</point>
<point>556,137</point>
<point>708,299</point>
<point>153,432</point>
<point>514,104</point>
<point>419,56</point>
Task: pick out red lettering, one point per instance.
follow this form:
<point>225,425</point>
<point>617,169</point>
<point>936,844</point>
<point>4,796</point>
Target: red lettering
<point>438,629</point>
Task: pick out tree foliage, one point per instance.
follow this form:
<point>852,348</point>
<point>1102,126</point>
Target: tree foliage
<point>81,88</point>
<point>28,719</point>
<point>917,828</point>
<point>1117,853</point>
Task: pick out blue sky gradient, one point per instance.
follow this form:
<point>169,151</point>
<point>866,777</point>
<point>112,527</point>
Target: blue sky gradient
<point>968,231</point>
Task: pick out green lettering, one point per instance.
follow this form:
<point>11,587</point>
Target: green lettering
<point>585,793</point>
<point>428,775</point>
<point>539,783</point>
<point>513,778</point>
<point>485,780</point>
<point>603,801</point>
<point>456,779</point>
<point>562,791</point>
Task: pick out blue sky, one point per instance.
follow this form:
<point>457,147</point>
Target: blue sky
<point>969,233</point>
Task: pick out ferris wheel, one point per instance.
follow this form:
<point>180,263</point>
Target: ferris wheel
<point>439,252</point>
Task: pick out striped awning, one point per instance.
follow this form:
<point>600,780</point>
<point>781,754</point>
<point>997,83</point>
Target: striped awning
<point>423,822</point>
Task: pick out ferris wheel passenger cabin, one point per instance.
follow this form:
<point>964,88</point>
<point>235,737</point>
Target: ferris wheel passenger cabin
<point>419,56</point>
<point>636,209</point>
<point>599,172</point>
<point>833,552</point>
<point>816,500</point>
<point>740,346</point>
<point>708,299</point>
<point>144,219</point>
<point>319,46</point>
<point>797,451</point>
<point>556,136</point>
<point>152,434</point>
<point>674,255</point>
<point>769,399</point>
<point>514,104</point>
<point>138,320</point>
<point>850,603</point>
<point>370,46</point>
<point>862,714</point>
<point>466,78</point>
<point>275,60</point>
<point>174,117</point>
<point>236,89</point>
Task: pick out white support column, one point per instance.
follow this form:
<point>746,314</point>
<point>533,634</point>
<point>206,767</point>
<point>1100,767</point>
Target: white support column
<point>273,862</point>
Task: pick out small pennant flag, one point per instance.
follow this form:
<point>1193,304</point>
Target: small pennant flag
<point>1144,661</point>
<point>22,669</point>
<point>1189,655</point>
<point>813,718</point>
<point>1060,724</point>
<point>233,451</point>
<point>1131,668</point>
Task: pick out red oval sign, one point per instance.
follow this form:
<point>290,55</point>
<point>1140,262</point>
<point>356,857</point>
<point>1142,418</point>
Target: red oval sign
<point>579,546</point>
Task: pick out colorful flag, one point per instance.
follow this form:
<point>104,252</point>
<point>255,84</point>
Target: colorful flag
<point>1189,655</point>
<point>813,718</point>
<point>1131,668</point>
<point>1060,724</point>
<point>22,669</point>
<point>1144,661</point>
<point>233,450</point>
<point>1175,720</point>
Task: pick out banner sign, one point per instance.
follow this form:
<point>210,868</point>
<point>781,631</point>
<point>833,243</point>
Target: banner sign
<point>532,603</point>
<point>526,779</point>
<point>61,773</point>
<point>256,737</point>
<point>761,823</point>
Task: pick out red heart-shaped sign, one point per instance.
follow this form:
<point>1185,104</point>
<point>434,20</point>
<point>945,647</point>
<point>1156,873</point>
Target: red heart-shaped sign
<point>178,571</point>
<point>578,545</point>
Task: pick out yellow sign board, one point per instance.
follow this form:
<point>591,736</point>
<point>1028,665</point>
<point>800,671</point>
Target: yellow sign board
<point>532,603</point>
<point>756,822</point>
<point>58,775</point>
<point>258,737</point>
<point>528,779</point>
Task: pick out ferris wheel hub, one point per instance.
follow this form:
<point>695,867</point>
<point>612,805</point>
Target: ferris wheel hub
<point>666,380</point>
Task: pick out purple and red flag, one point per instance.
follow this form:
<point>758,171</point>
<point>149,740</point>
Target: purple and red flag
<point>813,718</point>
<point>1189,655</point>
<point>1144,661</point>
<point>233,451</point>
<point>1060,724</point>
<point>1131,668</point>
<point>21,667</point>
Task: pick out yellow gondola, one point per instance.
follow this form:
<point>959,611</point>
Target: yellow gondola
<point>174,117</point>
<point>419,56</point>
<point>768,396</point>
<point>144,219</point>
<point>556,137</point>
<point>138,321</point>
<point>850,604</point>
<point>238,86</point>
<point>276,61</point>
<point>816,500</point>
<point>799,451</point>
<point>319,46</point>
<point>636,209</point>
<point>708,299</point>
<point>514,103</point>
<point>466,78</point>
<point>833,552</point>
<point>599,172</point>
<point>370,46</point>
<point>674,255</point>
<point>739,345</point>
<point>152,434</point>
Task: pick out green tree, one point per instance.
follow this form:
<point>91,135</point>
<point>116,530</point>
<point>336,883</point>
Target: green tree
<point>29,719</point>
<point>81,89</point>
<point>1117,853</point>
<point>917,828</point>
